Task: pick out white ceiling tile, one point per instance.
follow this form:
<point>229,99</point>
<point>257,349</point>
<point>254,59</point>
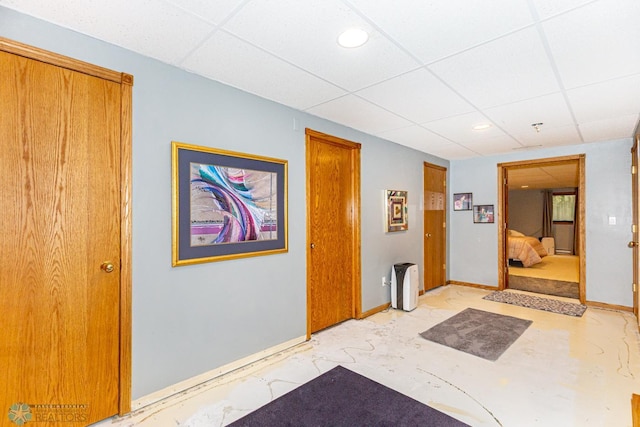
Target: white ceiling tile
<point>614,128</point>
<point>212,11</point>
<point>605,100</point>
<point>229,60</point>
<point>596,42</point>
<point>548,8</point>
<point>151,27</point>
<point>452,152</point>
<point>502,144</point>
<point>517,118</point>
<point>510,69</point>
<point>424,97</point>
<point>460,129</point>
<point>415,137</point>
<point>359,114</point>
<point>432,30</point>
<point>307,36</point>
<point>549,136</point>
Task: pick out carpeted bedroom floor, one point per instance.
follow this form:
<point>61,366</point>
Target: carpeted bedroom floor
<point>565,268</point>
<point>562,370</point>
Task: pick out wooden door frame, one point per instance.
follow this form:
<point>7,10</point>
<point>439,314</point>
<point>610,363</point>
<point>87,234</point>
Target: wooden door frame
<point>502,224</point>
<point>636,220</point>
<point>126,82</point>
<point>356,266</point>
<point>443,243</point>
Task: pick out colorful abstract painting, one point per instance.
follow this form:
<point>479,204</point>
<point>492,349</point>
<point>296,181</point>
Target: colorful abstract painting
<point>230,205</point>
<point>226,204</point>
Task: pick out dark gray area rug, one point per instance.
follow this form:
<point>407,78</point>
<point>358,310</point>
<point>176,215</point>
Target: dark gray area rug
<point>341,397</point>
<point>538,303</point>
<point>478,332</point>
<point>545,286</point>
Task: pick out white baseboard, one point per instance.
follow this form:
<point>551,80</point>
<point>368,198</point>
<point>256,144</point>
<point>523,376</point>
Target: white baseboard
<point>182,386</point>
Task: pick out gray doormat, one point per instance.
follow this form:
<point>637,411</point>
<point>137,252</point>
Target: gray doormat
<point>538,303</point>
<point>478,332</point>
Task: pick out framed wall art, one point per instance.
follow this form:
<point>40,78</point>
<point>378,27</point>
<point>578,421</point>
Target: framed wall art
<point>483,213</point>
<point>462,201</point>
<point>226,205</point>
<point>396,209</point>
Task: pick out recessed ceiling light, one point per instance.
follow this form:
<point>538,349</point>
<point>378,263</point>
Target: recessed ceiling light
<point>482,126</point>
<point>354,37</point>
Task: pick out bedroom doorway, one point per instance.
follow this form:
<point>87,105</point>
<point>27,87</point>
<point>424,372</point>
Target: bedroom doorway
<point>551,258</point>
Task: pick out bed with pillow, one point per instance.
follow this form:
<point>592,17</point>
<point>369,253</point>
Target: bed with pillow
<point>526,249</point>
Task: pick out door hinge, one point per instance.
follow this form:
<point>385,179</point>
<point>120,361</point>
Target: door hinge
<point>634,288</point>
<point>633,170</point>
<point>444,225</point>
<point>633,228</point>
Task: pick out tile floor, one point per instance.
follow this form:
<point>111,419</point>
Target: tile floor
<point>563,371</point>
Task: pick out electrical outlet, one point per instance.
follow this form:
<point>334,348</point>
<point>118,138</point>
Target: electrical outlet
<point>384,281</point>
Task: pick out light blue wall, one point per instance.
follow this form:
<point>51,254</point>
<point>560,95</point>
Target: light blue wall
<point>473,248</point>
<point>192,319</point>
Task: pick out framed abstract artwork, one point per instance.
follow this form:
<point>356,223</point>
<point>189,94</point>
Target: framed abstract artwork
<point>226,205</point>
<point>396,209</point>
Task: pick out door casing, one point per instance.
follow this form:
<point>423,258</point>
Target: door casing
<point>503,169</point>
<point>349,241</point>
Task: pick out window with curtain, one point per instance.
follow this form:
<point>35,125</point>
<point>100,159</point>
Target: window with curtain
<point>564,207</point>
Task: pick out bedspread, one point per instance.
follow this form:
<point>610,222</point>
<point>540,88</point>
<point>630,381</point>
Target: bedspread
<point>527,249</point>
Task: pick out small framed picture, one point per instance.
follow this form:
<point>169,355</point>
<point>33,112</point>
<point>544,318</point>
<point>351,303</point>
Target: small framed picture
<point>396,209</point>
<point>462,201</point>
<point>483,213</point>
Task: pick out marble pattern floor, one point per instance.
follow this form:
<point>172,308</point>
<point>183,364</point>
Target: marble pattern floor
<point>562,371</point>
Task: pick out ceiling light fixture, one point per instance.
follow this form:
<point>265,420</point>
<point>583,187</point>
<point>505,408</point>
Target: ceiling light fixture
<point>536,126</point>
<point>354,37</point>
<point>482,126</point>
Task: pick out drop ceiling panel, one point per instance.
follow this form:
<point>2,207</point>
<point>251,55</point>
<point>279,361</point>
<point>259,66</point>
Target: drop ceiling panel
<point>307,37</point>
<point>549,136</point>
<point>453,152</point>
<point>606,100</point>
<point>274,79</point>
<point>617,127</point>
<point>425,98</point>
<point>432,30</point>
<point>506,70</point>
<point>503,144</point>
<point>596,42</point>
<point>151,27</point>
<point>517,118</point>
<point>213,11</point>
<point>460,129</point>
<point>359,114</point>
<point>415,137</point>
<point>549,8</point>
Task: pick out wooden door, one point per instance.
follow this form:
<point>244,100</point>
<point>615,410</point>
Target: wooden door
<point>435,237</point>
<point>633,244</point>
<point>60,253</point>
<point>333,230</point>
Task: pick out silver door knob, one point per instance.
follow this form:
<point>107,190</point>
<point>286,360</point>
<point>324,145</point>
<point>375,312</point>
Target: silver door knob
<point>632,244</point>
<point>428,234</point>
<point>313,245</point>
